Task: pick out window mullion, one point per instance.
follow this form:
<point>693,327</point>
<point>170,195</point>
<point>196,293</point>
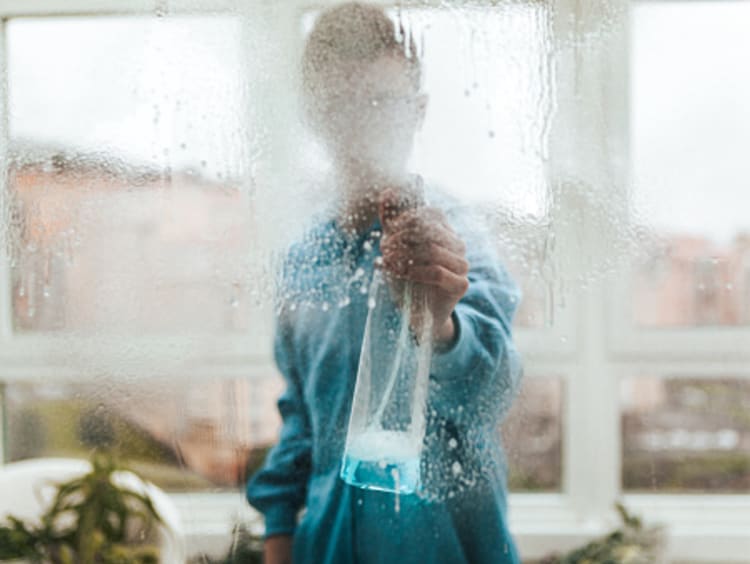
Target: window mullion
<point>6,309</point>
<point>5,282</point>
<point>588,142</point>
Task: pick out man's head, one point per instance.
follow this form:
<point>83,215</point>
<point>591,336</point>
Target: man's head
<point>361,86</point>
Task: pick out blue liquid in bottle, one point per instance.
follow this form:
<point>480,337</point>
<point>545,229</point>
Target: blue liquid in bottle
<point>383,461</point>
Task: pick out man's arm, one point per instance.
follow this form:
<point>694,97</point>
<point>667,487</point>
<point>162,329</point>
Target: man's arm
<point>476,378</point>
<point>472,301</point>
<point>279,488</point>
<point>278,549</point>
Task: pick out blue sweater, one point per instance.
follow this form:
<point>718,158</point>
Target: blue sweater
<point>462,516</point>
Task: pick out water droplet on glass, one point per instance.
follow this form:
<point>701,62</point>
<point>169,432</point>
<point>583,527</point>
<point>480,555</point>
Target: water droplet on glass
<point>161,8</point>
<point>456,468</point>
<point>324,306</point>
<point>452,444</point>
<point>371,303</point>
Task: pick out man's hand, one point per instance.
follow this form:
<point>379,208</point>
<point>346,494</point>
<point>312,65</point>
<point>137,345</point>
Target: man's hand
<point>278,550</point>
<point>419,245</point>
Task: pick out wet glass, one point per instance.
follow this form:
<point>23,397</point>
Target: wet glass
<point>501,137</point>
<point>697,269</point>
<point>164,178</point>
<point>533,436</point>
<point>685,435</point>
<point>197,433</point>
<point>122,153</point>
<point>129,200</point>
<point>123,161</point>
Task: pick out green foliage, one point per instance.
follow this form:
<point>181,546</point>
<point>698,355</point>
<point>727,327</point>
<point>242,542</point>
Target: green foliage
<point>16,541</point>
<point>90,521</point>
<point>632,543</point>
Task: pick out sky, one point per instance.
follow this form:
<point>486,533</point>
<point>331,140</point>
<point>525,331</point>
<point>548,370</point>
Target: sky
<point>690,117</point>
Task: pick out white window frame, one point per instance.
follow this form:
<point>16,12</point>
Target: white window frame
<point>590,337</point>
<point>727,344</point>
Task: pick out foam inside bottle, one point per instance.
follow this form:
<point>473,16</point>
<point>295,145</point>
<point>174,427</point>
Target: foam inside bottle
<point>383,460</point>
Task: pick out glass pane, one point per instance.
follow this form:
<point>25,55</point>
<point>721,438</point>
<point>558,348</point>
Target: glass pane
<point>500,138</point>
<point>532,434</point>
<point>686,435</point>
<point>187,166</point>
<point>181,434</point>
<point>688,139</point>
<point>493,157</point>
<point>128,180</point>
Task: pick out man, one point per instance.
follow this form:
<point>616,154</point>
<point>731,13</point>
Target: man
<point>363,100</point>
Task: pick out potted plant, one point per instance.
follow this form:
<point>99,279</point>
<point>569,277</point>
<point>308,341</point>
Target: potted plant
<point>91,521</point>
<point>632,543</point>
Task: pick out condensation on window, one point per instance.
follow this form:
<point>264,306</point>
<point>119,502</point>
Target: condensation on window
<point>685,434</point>
<point>129,184</point>
<point>697,269</point>
<point>200,208</point>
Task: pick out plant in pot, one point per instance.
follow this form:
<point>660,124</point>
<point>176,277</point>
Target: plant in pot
<point>91,520</point>
<point>631,543</point>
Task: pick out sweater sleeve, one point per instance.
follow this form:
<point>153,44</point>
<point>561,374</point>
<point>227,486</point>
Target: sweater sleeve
<point>476,379</point>
<point>279,488</point>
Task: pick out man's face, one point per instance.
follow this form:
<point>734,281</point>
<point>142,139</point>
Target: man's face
<point>369,114</point>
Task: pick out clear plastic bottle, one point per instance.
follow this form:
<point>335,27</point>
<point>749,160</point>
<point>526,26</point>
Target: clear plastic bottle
<point>387,422</point>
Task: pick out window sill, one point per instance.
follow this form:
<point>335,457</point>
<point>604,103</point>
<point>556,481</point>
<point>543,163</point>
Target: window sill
<point>701,528</point>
